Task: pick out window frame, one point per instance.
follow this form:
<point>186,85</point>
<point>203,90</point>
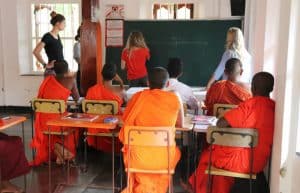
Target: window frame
<point>31,71</point>
<point>174,7</point>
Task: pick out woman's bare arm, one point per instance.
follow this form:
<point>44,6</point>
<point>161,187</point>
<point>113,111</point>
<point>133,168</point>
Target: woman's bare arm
<point>210,82</point>
<point>119,80</point>
<point>123,64</point>
<point>37,53</point>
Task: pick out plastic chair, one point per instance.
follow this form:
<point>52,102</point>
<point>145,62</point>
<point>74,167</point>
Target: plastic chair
<point>150,137</point>
<point>53,107</point>
<point>221,109</point>
<point>232,137</point>
<point>101,107</point>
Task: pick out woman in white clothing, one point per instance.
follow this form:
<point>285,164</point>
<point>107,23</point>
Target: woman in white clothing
<point>235,48</point>
<point>77,56</point>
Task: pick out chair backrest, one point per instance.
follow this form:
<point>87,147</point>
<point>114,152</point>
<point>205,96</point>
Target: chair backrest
<point>100,107</point>
<point>48,106</point>
<point>233,137</point>
<point>149,136</point>
<point>221,109</point>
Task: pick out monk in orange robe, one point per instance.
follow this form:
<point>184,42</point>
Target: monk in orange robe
<point>105,91</point>
<point>228,91</point>
<point>154,107</point>
<point>54,87</point>
<point>257,112</point>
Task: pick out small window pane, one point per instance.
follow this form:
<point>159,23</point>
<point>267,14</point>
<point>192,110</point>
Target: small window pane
<point>163,13</point>
<point>68,53</point>
<point>183,13</point>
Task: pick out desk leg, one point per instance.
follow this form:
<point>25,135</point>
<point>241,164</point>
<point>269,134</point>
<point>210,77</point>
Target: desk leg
<point>23,135</point>
<point>188,155</point>
<point>113,161</point>
<point>183,151</point>
<point>85,152</point>
<point>68,161</point>
<point>195,139</point>
<point>32,132</point>
<point>49,154</point>
<point>121,172</point>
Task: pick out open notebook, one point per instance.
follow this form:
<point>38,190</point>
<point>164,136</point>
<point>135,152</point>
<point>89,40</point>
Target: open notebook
<point>80,117</point>
<point>202,122</point>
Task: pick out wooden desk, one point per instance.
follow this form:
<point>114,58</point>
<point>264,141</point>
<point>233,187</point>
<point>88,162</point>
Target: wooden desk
<point>96,124</point>
<point>13,121</point>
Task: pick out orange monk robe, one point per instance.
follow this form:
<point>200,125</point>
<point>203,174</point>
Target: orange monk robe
<point>99,92</point>
<point>150,108</point>
<point>50,89</point>
<point>225,92</point>
<point>258,113</point>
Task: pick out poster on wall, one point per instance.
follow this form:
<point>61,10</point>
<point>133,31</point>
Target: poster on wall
<point>114,11</point>
<point>114,29</point>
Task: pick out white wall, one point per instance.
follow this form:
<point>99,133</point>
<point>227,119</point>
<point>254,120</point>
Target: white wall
<point>142,9</point>
<point>274,39</point>
<point>1,68</point>
<point>19,90</point>
<point>290,124</point>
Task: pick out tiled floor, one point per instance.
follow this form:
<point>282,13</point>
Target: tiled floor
<point>98,173</point>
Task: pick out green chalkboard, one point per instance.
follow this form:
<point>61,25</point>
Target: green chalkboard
<point>200,45</point>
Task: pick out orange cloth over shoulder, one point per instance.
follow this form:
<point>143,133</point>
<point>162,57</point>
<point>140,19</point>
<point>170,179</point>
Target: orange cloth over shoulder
<point>257,113</point>
<point>150,108</point>
<point>99,92</point>
<point>49,89</point>
<point>225,92</point>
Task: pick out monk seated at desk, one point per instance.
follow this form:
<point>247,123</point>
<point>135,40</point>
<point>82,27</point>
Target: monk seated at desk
<point>13,162</point>
<point>54,87</point>
<point>105,91</point>
<point>153,107</point>
<point>258,113</point>
<point>228,91</point>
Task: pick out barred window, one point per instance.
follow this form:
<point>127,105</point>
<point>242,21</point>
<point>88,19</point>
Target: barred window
<point>173,11</point>
<point>40,20</point>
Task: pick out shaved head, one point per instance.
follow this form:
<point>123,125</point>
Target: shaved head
<point>262,84</point>
<point>233,69</point>
<point>61,68</point>
<point>109,72</point>
<point>158,78</point>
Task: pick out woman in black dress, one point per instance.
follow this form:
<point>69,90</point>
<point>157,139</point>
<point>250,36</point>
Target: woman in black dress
<point>52,44</point>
